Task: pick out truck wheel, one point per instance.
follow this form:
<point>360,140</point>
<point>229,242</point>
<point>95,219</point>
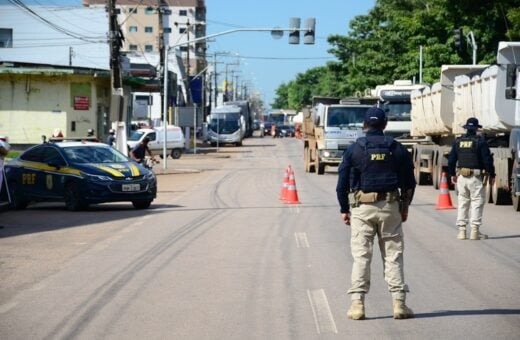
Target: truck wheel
<point>306,161</point>
<point>514,189</point>
<point>176,153</point>
<point>516,201</point>
<point>320,167</point>
<point>501,195</point>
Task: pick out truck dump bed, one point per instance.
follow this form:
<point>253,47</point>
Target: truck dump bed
<point>482,96</point>
<point>432,108</point>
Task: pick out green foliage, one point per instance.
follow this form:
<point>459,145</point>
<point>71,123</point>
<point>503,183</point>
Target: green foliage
<point>384,44</point>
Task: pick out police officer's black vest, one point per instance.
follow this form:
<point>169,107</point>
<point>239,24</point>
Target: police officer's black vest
<point>467,151</point>
<point>376,164</point>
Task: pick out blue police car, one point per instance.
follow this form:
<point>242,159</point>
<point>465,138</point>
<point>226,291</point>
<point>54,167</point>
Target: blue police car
<point>79,174</point>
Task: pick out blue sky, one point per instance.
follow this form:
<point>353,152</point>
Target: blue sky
<point>253,50</point>
<point>332,17</point>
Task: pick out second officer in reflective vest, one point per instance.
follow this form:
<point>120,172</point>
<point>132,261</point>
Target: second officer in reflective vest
<point>375,186</point>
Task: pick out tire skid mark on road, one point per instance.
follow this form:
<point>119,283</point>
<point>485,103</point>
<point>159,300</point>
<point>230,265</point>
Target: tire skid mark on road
<point>321,311</point>
<point>83,315</point>
<point>216,199</point>
<point>8,306</point>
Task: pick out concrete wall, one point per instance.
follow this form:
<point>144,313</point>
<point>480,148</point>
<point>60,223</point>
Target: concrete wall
<point>32,105</point>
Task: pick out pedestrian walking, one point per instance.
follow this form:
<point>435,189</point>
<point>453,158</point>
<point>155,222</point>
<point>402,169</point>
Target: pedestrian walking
<point>139,151</point>
<point>470,165</point>
<point>111,138</point>
<point>375,187</point>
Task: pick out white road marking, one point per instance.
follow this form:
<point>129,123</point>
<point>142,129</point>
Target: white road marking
<point>321,311</point>
<point>145,217</point>
<point>7,307</point>
<point>301,240</point>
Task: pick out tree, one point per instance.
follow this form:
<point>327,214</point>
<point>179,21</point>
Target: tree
<point>383,45</point>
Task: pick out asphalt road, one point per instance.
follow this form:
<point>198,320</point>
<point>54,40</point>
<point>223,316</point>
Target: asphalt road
<point>218,256</point>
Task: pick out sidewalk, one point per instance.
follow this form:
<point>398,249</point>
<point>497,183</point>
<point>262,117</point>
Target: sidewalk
<point>191,161</point>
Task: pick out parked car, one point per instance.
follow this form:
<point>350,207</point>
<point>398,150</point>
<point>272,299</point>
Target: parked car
<point>286,131</point>
<point>79,174</point>
<point>266,129</point>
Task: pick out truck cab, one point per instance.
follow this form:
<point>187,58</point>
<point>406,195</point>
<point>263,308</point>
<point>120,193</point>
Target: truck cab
<point>328,130</point>
<point>395,99</point>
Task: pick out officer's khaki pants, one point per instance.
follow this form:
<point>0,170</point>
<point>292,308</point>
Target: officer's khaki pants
<point>384,220</point>
<point>470,201</point>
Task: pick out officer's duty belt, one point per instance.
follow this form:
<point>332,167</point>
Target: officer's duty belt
<point>467,172</point>
<point>372,197</point>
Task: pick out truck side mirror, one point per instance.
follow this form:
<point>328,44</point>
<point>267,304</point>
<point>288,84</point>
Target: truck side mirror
<point>510,93</point>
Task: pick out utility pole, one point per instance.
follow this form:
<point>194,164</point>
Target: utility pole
<point>215,79</point>
<point>161,54</point>
<point>71,53</point>
<point>188,81</point>
<point>117,99</point>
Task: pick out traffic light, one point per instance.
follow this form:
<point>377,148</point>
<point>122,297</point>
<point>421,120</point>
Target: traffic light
<point>309,33</point>
<point>294,35</point>
<point>457,37</point>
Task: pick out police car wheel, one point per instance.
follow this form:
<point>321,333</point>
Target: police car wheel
<point>18,200</point>
<point>141,204</point>
<point>72,196</point>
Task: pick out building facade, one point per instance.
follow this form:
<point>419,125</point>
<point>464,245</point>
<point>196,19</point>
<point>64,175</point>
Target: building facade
<point>36,100</point>
<point>183,20</point>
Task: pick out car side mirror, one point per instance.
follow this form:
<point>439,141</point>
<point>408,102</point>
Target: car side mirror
<point>54,165</point>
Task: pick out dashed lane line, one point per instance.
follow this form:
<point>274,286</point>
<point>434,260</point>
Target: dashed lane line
<point>301,240</point>
<point>321,311</point>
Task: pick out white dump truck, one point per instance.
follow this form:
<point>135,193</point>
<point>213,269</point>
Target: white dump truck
<point>395,100</point>
<point>329,127</point>
<point>491,94</point>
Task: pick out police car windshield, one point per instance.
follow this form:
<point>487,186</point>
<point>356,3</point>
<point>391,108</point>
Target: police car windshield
<point>346,117</point>
<point>93,154</point>
<point>135,136</point>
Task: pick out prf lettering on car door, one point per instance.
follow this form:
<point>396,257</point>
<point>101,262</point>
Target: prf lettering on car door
<point>29,179</point>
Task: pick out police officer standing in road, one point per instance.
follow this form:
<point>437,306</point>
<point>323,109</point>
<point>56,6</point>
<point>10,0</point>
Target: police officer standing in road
<point>375,186</point>
<point>470,164</point>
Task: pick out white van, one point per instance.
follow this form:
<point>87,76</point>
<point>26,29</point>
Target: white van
<point>174,140</point>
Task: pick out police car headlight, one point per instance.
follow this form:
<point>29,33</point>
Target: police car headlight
<point>97,178</point>
<point>149,176</point>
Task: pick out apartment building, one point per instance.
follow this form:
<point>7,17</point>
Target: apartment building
<point>182,19</point>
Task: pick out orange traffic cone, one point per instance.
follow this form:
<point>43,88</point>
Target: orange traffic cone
<point>292,194</point>
<point>285,184</point>
<point>444,200</point>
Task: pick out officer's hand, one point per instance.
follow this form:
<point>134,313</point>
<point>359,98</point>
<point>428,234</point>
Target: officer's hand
<point>453,179</point>
<point>404,216</point>
<point>346,218</point>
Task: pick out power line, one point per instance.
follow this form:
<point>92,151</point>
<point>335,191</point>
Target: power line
<point>24,7</point>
